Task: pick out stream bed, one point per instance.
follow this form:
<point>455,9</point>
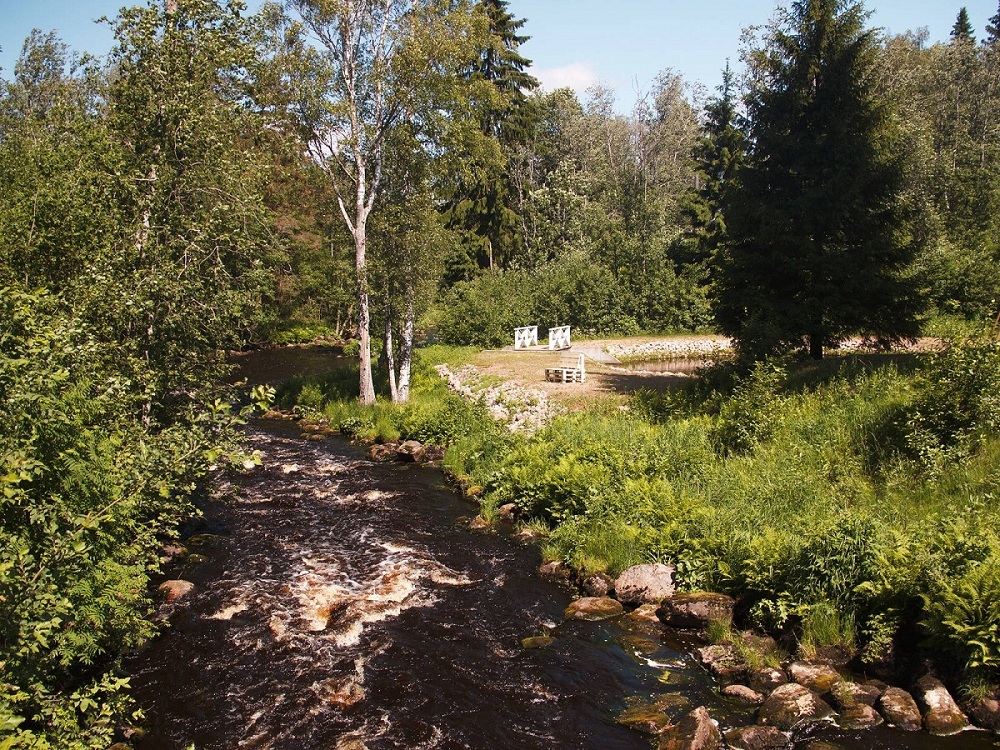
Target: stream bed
<point>341,604</point>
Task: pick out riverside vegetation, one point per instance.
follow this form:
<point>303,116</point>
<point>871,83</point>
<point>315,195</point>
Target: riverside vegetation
<point>182,197</point>
<point>848,506</point>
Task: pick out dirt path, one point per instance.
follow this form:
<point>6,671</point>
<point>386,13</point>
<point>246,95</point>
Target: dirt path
<point>526,368</point>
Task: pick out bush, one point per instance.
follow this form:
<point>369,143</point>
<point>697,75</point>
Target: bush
<point>957,403</point>
<point>962,617</point>
<point>87,495</point>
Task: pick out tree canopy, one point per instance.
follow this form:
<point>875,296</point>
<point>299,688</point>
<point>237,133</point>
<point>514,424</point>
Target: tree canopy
<point>818,246</point>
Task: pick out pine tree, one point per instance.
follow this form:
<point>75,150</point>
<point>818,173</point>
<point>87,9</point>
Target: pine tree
<point>505,68</point>
<point>962,30</point>
<point>818,247</point>
<point>993,30</point>
<point>718,156</point>
<point>481,211</point>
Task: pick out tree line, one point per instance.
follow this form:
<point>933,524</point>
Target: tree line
<point>377,168</point>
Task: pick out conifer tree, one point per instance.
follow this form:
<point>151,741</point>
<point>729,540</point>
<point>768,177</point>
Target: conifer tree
<point>718,156</point>
<point>818,247</point>
<point>481,209</point>
<point>993,30</point>
<point>962,30</point>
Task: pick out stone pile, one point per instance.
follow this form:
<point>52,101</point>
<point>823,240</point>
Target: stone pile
<point>790,699</point>
<point>522,409</point>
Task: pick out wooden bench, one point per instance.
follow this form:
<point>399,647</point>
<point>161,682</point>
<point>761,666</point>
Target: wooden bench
<point>567,372</point>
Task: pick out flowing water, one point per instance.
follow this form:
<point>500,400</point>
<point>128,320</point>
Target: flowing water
<point>342,604</point>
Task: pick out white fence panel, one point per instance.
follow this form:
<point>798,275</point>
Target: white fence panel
<point>559,337</point>
<point>526,336</point>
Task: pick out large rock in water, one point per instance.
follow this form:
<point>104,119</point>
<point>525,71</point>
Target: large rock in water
<point>899,709</point>
<point>411,450</point>
<point>817,677</point>
<point>175,590</point>
<point>645,584</point>
<point>724,661</point>
<point>696,731</point>
<point>791,706</point>
<point>986,712</point>
<point>942,716</point>
<point>594,608</point>
<point>859,716</point>
<point>756,738</point>
<point>695,610</point>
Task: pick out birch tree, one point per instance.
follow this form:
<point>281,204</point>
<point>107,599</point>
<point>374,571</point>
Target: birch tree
<point>387,61</point>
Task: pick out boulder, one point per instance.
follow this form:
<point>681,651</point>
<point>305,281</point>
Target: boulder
<point>791,706</point>
<point>382,451</point>
<point>695,610</point>
<point>723,660</point>
<point>434,452</point>
<point>645,614</point>
<point>859,716</point>
<point>899,709</point>
<point>411,450</point>
<point>766,679</point>
<point>942,716</point>
<point>508,512</point>
<point>985,712</point>
<point>696,731</point>
<point>645,718</point>
<point>819,678</point>
<point>756,738</point>
<point>479,524</point>
<point>846,694</point>
<point>594,608</point>
<point>175,590</point>
<point>645,584</point>
<point>743,693</point>
<point>554,570</point>
<point>599,584</point>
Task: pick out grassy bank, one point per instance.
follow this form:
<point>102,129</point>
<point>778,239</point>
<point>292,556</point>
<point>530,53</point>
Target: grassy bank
<point>848,505</point>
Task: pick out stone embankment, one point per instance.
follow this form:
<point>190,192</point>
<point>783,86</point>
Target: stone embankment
<point>790,698</point>
<point>522,409</point>
<point>676,347</point>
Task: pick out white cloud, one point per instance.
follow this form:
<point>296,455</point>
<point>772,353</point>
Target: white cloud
<point>577,76</point>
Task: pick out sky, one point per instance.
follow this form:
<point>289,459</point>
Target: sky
<point>622,44</point>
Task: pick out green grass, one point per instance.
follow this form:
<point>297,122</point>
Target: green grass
<point>840,499</point>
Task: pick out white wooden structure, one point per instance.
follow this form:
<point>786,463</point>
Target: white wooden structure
<point>566,373</point>
<point>559,337</point>
<point>525,337</point>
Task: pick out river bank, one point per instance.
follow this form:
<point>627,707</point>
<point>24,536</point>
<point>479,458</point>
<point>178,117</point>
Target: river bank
<point>608,487</point>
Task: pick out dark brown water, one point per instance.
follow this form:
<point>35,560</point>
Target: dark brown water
<point>343,604</point>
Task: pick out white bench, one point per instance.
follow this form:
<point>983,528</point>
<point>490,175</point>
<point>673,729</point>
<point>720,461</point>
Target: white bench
<point>567,373</point>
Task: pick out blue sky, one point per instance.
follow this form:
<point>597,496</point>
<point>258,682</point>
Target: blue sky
<point>620,43</point>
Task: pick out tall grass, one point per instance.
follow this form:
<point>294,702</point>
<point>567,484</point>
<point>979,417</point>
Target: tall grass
<point>849,503</point>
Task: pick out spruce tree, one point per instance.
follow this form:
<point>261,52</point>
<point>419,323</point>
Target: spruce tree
<point>993,30</point>
<point>718,156</point>
<point>962,30</point>
<point>481,209</point>
<point>818,247</point>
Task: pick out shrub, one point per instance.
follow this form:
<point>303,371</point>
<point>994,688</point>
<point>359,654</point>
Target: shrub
<point>962,617</point>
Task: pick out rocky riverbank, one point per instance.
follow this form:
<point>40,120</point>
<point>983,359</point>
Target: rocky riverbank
<point>792,695</point>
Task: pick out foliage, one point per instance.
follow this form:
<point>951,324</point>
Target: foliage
<point>774,493</point>
<point>87,496</point>
<point>818,244</point>
<point>959,401</point>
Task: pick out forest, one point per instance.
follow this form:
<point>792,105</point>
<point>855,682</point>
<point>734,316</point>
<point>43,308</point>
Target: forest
<point>390,172</point>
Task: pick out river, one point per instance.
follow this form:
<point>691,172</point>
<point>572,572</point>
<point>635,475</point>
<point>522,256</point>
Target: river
<point>342,604</point>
